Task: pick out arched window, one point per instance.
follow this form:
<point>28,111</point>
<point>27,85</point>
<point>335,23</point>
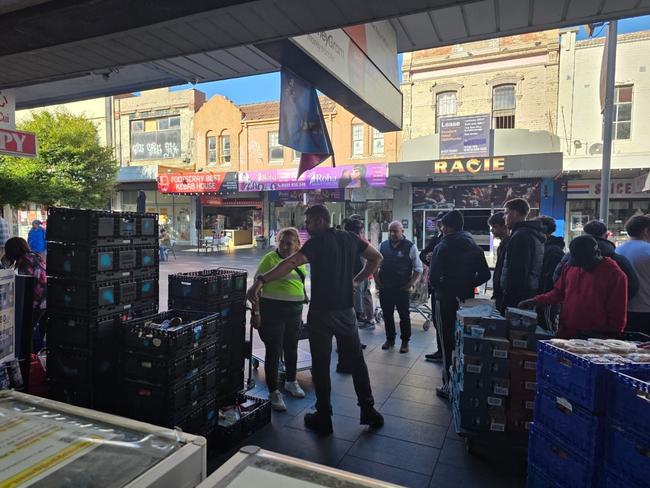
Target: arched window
<point>211,148</point>
<point>503,107</point>
<point>224,148</point>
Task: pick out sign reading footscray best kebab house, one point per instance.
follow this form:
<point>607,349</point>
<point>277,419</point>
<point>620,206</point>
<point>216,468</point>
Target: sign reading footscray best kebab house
<point>469,166</point>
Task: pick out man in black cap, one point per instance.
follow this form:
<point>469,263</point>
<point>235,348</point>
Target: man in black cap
<point>592,290</point>
<point>458,266</point>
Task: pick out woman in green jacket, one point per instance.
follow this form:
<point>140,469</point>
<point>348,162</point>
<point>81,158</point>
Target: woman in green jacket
<point>279,317</point>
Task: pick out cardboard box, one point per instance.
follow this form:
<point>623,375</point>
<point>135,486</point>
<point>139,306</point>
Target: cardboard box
<point>488,368</point>
<point>493,420</point>
<point>523,365</point>
<point>523,339</point>
<point>482,385</point>
<point>486,347</point>
<point>522,386</point>
<point>521,319</point>
<point>522,403</point>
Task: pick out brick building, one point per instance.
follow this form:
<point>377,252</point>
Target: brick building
<point>509,87</point>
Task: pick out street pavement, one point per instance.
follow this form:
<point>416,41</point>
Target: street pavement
<point>417,447</point>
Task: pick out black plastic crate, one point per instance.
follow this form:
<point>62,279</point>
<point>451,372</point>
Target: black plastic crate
<point>80,331</point>
<point>101,263</point>
<point>102,298</point>
<point>224,438</point>
<point>96,397</point>
<point>82,367</point>
<point>156,369</point>
<point>202,419</point>
<point>101,228</point>
<point>209,286</point>
<point>149,336</point>
<point>158,403</point>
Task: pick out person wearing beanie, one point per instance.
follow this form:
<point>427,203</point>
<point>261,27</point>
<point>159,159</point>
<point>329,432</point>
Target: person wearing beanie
<point>522,267</point>
<point>458,266</point>
<point>592,290</point>
<point>598,230</point>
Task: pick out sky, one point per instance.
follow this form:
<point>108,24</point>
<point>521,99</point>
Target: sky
<point>266,87</point>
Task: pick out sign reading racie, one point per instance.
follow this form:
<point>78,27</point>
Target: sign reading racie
<point>469,166</point>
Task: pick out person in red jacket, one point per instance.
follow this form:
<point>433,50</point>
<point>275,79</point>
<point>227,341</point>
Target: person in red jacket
<point>592,290</point>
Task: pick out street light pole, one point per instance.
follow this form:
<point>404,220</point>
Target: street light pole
<point>608,120</point>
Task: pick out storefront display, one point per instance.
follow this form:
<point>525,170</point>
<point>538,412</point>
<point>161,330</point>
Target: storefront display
<point>583,205</point>
<point>240,218</point>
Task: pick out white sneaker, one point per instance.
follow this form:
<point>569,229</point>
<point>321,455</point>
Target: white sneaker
<point>277,403</point>
<point>294,389</point>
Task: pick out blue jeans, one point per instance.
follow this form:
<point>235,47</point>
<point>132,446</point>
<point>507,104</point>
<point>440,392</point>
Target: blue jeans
<point>163,253</point>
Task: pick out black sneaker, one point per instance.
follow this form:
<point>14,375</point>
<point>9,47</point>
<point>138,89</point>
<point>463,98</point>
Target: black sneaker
<point>372,418</point>
<point>436,357</point>
<point>388,344</point>
<point>443,391</point>
<point>321,424</point>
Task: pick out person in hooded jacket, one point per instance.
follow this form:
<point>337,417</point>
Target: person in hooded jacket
<point>553,254</point>
<point>592,290</point>
<point>598,231</point>
<point>458,266</point>
<point>522,267</point>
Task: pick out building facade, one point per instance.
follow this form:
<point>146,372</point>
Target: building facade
<point>581,133</point>
<point>507,88</point>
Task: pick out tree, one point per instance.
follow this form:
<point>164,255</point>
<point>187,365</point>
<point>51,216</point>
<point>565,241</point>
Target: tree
<point>72,169</point>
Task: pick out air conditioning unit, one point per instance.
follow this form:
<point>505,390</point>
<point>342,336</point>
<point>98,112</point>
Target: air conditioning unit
<point>596,149</point>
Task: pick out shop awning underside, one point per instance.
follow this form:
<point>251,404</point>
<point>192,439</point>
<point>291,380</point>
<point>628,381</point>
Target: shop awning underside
<point>54,52</point>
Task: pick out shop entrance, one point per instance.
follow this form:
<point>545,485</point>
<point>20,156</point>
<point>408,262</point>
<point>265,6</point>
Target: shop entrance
<point>579,212</point>
<point>240,224</point>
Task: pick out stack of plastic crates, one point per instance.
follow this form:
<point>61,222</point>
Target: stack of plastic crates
<point>569,433</point>
<point>627,430</point>
<point>221,290</point>
<point>102,271</point>
<point>172,370</point>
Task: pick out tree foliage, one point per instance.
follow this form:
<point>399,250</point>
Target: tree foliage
<point>72,168</point>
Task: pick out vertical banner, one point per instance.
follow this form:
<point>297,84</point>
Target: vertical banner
<point>7,316</point>
<point>7,109</point>
<point>302,126</point>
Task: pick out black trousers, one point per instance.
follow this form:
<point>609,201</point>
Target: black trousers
<point>435,322</point>
<point>638,322</point>
<point>280,335</point>
<point>445,312</point>
<point>390,299</point>
<point>323,325</point>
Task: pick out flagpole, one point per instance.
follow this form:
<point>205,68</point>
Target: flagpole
<point>608,120</point>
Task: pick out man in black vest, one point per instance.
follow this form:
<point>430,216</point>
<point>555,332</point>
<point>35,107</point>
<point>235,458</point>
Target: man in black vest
<point>399,271</point>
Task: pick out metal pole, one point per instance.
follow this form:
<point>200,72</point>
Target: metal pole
<point>608,119</point>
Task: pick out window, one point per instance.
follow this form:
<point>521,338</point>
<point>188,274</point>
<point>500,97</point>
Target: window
<point>276,151</point>
<point>357,139</point>
<point>503,107</point>
<point>445,106</point>
<point>622,128</point>
<point>137,126</point>
<point>211,144</point>
<point>175,122</point>
<point>225,149</point>
<point>377,142</point>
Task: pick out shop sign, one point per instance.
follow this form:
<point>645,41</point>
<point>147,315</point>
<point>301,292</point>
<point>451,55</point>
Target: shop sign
<point>216,201</point>
<point>465,136</point>
<point>370,193</point>
<point>485,196</point>
<point>357,176</point>
<point>621,188</point>
<point>17,143</point>
<point>199,182</point>
<point>469,166</point>
<point>313,196</point>
<point>7,109</point>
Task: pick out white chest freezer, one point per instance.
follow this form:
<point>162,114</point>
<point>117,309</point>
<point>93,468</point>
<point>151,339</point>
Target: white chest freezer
<point>44,443</point>
<point>253,467</point>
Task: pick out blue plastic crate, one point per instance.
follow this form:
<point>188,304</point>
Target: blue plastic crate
<point>629,399</point>
<point>628,454</point>
<point>559,462</point>
<point>611,479</point>
<point>578,428</point>
<point>577,378</point>
<point>537,478</point>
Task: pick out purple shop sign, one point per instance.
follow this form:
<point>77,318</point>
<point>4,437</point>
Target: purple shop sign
<point>356,176</point>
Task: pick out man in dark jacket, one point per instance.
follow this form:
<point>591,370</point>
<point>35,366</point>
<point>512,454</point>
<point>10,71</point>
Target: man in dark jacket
<point>499,229</point>
<point>553,254</point>
<point>522,267</point>
<point>425,257</point>
<point>458,266</point>
<point>598,231</point>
